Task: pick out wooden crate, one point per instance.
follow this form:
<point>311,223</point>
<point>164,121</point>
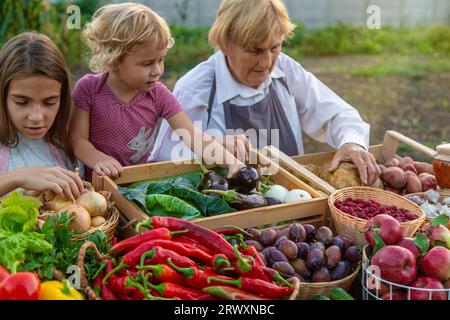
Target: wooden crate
<point>382,152</point>
<point>310,211</point>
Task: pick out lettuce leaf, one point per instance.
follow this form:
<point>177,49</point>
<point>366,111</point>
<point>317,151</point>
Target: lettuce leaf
<point>18,213</point>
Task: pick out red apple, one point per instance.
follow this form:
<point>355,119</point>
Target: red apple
<point>427,283</point>
<point>397,264</point>
<point>436,263</point>
<point>396,295</point>
<point>439,233</point>
<point>390,229</point>
<point>408,243</point>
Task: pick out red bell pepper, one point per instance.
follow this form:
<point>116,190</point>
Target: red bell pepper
<point>20,286</point>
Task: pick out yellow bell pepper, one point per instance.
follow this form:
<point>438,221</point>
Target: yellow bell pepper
<point>56,290</point>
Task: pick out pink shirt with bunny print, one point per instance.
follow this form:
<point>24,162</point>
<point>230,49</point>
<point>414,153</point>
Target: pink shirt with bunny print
<point>123,130</point>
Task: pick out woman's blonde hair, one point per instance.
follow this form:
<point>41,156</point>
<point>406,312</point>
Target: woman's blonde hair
<point>116,28</point>
<point>249,22</point>
<point>26,55</point>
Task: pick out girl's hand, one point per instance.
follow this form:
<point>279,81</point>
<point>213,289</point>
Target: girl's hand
<point>108,166</point>
<point>56,179</point>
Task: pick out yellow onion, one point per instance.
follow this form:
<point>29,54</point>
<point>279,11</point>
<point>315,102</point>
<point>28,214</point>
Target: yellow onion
<point>82,221</point>
<point>58,202</point>
<point>97,221</point>
<point>94,203</point>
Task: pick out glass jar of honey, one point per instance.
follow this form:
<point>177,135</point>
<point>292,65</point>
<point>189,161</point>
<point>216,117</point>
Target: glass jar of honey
<point>441,166</point>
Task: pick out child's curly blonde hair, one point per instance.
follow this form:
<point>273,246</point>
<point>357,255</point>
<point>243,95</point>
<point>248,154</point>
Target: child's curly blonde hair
<point>116,28</point>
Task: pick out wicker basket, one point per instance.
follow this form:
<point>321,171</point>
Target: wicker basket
<point>353,227</point>
<point>109,227</point>
<point>310,290</point>
<point>444,194</point>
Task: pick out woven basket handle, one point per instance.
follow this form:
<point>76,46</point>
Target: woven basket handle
<point>296,290</point>
<point>83,280</point>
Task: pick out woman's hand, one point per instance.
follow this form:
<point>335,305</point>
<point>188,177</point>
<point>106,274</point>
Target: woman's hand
<point>368,169</point>
<point>108,166</point>
<point>238,145</point>
<point>56,179</point>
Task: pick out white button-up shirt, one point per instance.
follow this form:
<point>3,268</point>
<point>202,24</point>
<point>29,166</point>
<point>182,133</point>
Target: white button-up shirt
<point>311,107</point>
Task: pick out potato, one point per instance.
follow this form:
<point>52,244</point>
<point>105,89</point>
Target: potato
<point>409,167</point>
<point>428,181</point>
<point>413,183</point>
<point>405,160</point>
<point>394,177</point>
<point>397,191</point>
<point>394,162</point>
<point>422,167</point>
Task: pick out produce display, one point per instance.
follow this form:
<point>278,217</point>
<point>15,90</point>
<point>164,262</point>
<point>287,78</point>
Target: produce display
<point>422,262</point>
<point>335,294</point>
<point>31,254</point>
<point>306,253</point>
<point>208,193</point>
<point>431,204</point>
<point>177,259</point>
<point>367,209</point>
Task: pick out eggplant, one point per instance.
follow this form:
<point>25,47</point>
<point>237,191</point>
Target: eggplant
<point>240,201</point>
<point>214,181</point>
<point>272,201</point>
<point>245,180</point>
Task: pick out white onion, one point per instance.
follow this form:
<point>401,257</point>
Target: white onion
<point>94,203</point>
<point>277,192</point>
<point>97,221</point>
<point>82,221</point>
<point>297,195</point>
<point>58,202</point>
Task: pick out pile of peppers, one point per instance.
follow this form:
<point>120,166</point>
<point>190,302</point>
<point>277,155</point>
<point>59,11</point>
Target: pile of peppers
<point>179,260</point>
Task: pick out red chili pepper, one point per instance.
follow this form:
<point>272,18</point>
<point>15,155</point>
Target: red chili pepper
<point>20,286</point>
<point>257,286</point>
<point>131,243</point>
<point>274,275</point>
<point>251,251</point>
<point>173,290</point>
<point>209,238</point>
<point>180,248</point>
<point>155,254</point>
<point>247,267</point>
<point>230,293</point>
<point>220,261</point>
<point>164,273</point>
<point>187,240</point>
<point>107,294</point>
<point>232,230</point>
<point>195,277</point>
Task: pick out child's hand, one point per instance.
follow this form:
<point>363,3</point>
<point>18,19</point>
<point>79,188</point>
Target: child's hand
<point>57,179</point>
<point>234,168</point>
<point>108,166</point>
<point>238,145</point>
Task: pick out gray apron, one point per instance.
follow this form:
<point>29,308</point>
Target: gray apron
<point>266,114</point>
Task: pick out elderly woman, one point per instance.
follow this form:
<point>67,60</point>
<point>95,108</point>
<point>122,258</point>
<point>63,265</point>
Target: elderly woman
<point>249,84</point>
